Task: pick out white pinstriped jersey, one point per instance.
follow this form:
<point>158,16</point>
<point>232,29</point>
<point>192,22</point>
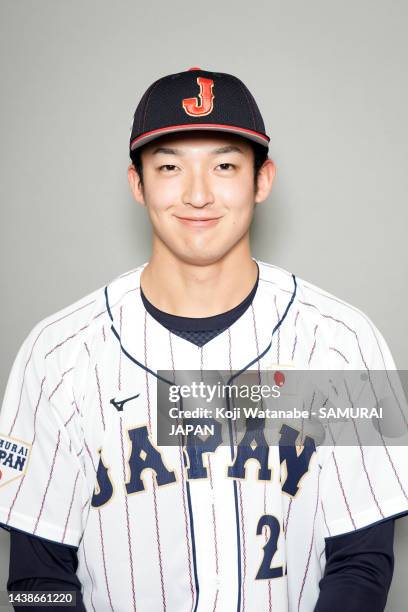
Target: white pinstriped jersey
<point>156,539</point>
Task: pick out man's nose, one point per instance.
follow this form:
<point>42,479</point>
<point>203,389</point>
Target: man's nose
<point>198,192</point>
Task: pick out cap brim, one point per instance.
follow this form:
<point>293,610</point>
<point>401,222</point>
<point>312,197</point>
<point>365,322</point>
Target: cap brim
<point>173,129</point>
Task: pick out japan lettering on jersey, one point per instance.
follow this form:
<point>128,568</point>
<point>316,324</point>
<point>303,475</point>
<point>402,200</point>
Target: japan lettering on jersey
<point>155,529</point>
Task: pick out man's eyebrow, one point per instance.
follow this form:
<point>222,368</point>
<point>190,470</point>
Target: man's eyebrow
<point>171,151</point>
<point>227,149</point>
<point>167,150</point>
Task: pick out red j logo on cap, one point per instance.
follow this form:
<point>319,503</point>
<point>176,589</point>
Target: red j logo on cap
<point>204,105</point>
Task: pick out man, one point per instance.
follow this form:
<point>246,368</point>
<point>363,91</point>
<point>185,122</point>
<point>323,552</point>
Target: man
<point>94,502</point>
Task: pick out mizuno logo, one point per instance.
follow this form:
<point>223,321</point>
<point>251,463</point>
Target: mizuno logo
<point>120,403</point>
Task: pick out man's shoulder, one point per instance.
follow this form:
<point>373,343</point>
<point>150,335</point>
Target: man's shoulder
<point>315,303</point>
<point>83,318</point>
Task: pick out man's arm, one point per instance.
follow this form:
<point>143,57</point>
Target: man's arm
<point>359,569</point>
<point>41,565</point>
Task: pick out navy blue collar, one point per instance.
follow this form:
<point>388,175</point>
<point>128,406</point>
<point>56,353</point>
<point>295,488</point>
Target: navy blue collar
<point>219,321</point>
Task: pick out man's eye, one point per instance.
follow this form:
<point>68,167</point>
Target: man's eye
<point>168,167</point>
<point>223,166</point>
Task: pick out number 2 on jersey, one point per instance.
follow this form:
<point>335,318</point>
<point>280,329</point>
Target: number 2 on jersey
<point>265,571</point>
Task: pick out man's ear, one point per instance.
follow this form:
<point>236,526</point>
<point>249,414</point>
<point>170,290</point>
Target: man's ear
<point>135,185</point>
<point>266,175</point>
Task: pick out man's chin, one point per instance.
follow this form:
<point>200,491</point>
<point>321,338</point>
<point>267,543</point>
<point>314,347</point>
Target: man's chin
<point>198,258</point>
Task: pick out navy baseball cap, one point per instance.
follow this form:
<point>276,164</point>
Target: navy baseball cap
<point>197,99</point>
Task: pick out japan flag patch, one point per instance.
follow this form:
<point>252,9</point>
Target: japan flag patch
<point>14,456</point>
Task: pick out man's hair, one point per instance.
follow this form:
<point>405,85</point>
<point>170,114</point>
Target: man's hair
<point>260,156</point>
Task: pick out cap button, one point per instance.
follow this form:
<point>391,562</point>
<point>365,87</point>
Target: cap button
<point>194,68</point>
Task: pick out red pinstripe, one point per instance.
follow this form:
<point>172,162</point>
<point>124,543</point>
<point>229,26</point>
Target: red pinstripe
<point>104,561</point>
<point>314,344</point>
<point>393,468</point>
<point>163,590</point>
<point>285,526</point>
<point>296,338</point>
<point>244,547</point>
<point>99,395</point>
<point>59,384</point>
<point>66,422</point>
<point>90,576</point>
<point>215,601</point>
<point>57,346</point>
<point>214,520</point>
<point>90,456</point>
<point>76,406</point>
<point>48,483</point>
<point>342,490</point>
<point>325,520</point>
<point>311,543</point>
<point>339,479</point>
<point>70,506</point>
<point>333,348</point>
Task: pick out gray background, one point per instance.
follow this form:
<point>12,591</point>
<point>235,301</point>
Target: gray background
<point>330,79</point>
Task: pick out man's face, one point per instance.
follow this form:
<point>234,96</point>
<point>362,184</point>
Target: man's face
<point>199,193</point>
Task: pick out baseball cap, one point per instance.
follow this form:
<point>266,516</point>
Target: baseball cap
<point>197,99</point>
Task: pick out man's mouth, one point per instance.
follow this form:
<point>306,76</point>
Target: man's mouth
<point>198,221</point>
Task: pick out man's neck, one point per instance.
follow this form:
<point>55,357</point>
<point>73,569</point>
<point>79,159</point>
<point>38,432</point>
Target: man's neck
<point>187,290</point>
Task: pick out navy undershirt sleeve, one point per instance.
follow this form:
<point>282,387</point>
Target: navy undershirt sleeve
<point>359,569</point>
<point>41,565</point>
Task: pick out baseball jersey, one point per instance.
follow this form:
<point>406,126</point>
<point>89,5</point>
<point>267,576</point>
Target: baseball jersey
<point>80,463</point>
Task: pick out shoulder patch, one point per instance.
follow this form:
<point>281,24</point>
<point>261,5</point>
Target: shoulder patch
<point>14,456</point>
